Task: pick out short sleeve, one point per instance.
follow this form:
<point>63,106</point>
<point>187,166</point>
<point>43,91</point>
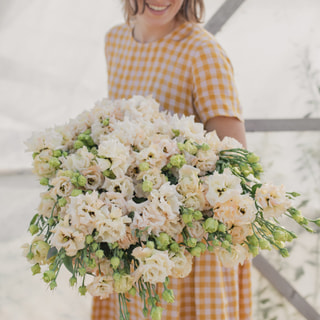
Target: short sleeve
<point>214,90</point>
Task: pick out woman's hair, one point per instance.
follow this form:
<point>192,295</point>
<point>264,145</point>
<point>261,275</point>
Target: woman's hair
<point>191,10</point>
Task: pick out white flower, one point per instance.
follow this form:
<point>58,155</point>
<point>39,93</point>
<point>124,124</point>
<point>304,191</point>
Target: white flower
<point>182,264</point>
<point>188,180</point>
<point>78,161</point>
<point>49,139</point>
<point>123,185</point>
<point>62,186</point>
<point>95,178</point>
<point>229,259</point>
<point>229,143</point>
<point>101,286</point>
<point>41,166</point>
<point>220,186</point>
<point>39,248</point>
<point>47,204</point>
<point>273,200</point>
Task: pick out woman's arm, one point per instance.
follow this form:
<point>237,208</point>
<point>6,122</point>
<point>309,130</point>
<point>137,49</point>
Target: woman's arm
<point>227,126</point>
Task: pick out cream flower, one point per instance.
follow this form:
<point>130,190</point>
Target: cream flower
<point>238,210</point>
<point>239,233</point>
<point>123,185</point>
<point>95,178</point>
<point>196,231</point>
<point>41,165</point>
<point>229,143</point>
<point>67,237</point>
<point>78,161</point>
<point>237,255</point>
<point>205,161</point>
<point>62,186</point>
<point>49,139</point>
<point>128,239</point>
<point>124,284</point>
<point>182,264</point>
<point>188,180</point>
<point>221,186</point>
<point>194,200</point>
<point>101,286</point>
<point>39,248</point>
<point>273,200</point>
<point>46,205</point>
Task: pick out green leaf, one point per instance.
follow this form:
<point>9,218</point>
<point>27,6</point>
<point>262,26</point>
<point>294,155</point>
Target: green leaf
<point>33,220</point>
<point>52,252</point>
<point>68,263</point>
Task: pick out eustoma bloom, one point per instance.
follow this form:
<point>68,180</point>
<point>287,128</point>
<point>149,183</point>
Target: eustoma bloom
<point>134,193</point>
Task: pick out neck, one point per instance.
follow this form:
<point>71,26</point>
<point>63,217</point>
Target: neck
<point>144,33</point>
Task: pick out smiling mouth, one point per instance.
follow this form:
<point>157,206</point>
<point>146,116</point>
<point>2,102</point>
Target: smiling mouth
<point>156,8</point>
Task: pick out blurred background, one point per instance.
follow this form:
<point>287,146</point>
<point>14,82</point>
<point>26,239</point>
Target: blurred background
<point>52,67</point>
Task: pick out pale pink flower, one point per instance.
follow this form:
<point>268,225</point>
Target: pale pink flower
<point>95,178</point>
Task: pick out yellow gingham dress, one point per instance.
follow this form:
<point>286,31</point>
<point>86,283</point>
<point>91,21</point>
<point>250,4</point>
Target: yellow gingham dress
<point>187,72</point>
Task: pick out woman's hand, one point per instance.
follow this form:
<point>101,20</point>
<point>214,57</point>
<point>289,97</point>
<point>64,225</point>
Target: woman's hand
<point>227,126</point>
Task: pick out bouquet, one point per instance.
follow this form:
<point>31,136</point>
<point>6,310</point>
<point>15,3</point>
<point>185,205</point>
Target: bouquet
<point>132,194</point>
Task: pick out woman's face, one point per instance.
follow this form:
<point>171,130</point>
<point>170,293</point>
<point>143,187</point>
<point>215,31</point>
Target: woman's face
<point>158,13</point>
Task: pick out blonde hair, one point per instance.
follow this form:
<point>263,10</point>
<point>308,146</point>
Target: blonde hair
<point>191,10</point>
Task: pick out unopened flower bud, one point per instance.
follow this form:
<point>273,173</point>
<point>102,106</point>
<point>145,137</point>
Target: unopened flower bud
<point>35,269</point>
<point>176,132</point>
<point>252,158</point>
<point>44,181</point>
<point>53,284</point>
<point>202,246</point>
<point>205,147</point>
<point>82,181</point>
<point>48,276</point>
<point>109,174</point>
<point>190,147</point>
<point>210,225</point>
<point>177,160</point>
<point>174,247</point>
<point>284,252</point>
<point>150,244</point>
<point>264,244</point>
<point>82,137</point>
<point>62,202</point>
<point>162,241</point>
<point>197,215</point>
<point>180,146</point>
<point>82,271</point>
<point>215,242</point>
<point>144,166</point>
<point>254,250</point>
<point>196,252</point>
<point>99,254</point>
<point>132,291</point>
<point>54,162</point>
<point>222,228</point>
<point>229,237</point>
<point>191,242</point>
<point>78,144</point>
<point>115,262</point>
<point>317,222</point>
<point>57,153</point>
<point>210,248</point>
<point>106,122</point>
<point>168,295</point>
<point>82,290</point>
<point>225,244</point>
<point>94,151</point>
<point>94,246</point>
<point>187,218</point>
<point>156,313</point>
<point>30,255</point>
<point>89,239</point>
<point>89,141</point>
<point>76,192</point>
<point>145,312</point>
<point>33,229</point>
<point>72,281</point>
<point>147,186</point>
<point>253,240</point>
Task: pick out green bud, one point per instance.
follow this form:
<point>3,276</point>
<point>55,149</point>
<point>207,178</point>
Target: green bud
<point>147,186</point>
<point>82,137</point>
<point>51,221</point>
<point>229,237</point>
<point>132,291</point>
<point>205,147</point>
<point>82,271</point>
<point>150,244</point>
<point>92,263</point>
<point>144,166</point>
<point>215,242</point>
<point>177,160</point>
<point>53,284</point>
<point>48,276</point>
<point>54,162</point>
<point>162,241</point>
<point>109,174</point>
<point>191,242</point>
<point>187,218</point>
<point>82,181</point>
<point>190,147</point>
<point>210,225</point>
<point>88,131</point>
<point>89,141</point>
<point>222,228</point>
<point>65,153</point>
<point>74,181</point>
<point>174,247</point>
<point>57,153</point>
<point>253,240</point>
<point>225,244</point>
<point>99,254</point>
<point>116,276</point>
<point>156,313</point>
<point>82,290</point>
<point>33,229</point>
<point>89,239</point>
<point>279,235</point>
<point>94,151</point>
<point>62,202</point>
<point>115,262</point>
<point>254,250</point>
<point>94,246</point>
<point>176,132</point>
<point>78,144</point>
<point>197,215</point>
<point>44,181</point>
<point>252,158</point>
<point>210,248</point>
<point>30,255</point>
<point>196,252</point>
<point>317,222</point>
<point>264,244</point>
<point>76,192</point>
<point>106,122</point>
<point>168,296</point>
<point>145,312</point>
<point>72,281</point>
<point>202,246</point>
<point>284,252</point>
<point>35,269</point>
<point>180,146</point>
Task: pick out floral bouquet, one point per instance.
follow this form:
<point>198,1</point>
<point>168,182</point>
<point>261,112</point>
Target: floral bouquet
<point>132,194</point>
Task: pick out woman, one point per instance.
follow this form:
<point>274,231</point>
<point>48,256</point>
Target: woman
<point>163,51</point>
